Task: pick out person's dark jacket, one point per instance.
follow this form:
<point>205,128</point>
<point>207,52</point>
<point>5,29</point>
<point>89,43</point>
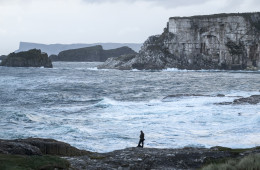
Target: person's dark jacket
<point>142,136</point>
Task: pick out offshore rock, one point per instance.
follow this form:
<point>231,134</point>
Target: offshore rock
<point>91,54</point>
<point>220,41</point>
<point>31,58</point>
<point>254,99</point>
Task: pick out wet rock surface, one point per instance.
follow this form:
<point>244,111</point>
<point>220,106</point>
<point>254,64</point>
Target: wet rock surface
<point>254,99</point>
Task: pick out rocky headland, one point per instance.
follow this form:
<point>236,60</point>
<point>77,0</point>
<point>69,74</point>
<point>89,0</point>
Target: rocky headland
<point>55,49</point>
<point>31,58</point>
<point>91,54</point>
<point>220,41</point>
<point>55,154</point>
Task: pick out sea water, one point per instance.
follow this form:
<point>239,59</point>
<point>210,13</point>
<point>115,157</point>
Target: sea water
<point>104,110</point>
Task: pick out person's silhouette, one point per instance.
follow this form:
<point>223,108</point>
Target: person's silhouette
<point>141,141</point>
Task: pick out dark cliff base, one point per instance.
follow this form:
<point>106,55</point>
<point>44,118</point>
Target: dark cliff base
<point>36,153</point>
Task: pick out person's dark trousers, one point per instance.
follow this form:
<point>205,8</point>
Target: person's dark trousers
<point>141,141</point>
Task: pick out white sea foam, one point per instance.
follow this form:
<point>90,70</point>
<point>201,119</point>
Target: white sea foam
<point>105,110</point>
<point>93,68</point>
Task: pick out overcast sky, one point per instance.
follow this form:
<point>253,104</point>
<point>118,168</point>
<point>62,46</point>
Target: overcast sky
<point>92,21</point>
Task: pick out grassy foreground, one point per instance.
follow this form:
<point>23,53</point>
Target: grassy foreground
<point>22,162</point>
<point>250,162</point>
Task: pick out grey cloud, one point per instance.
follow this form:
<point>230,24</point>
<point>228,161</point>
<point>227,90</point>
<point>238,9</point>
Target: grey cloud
<point>164,3</point>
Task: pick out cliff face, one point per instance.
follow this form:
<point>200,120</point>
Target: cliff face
<point>91,54</point>
<point>31,58</point>
<point>221,41</point>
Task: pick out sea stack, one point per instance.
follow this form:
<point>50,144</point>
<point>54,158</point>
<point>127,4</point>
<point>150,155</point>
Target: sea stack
<point>31,58</point>
<point>220,41</point>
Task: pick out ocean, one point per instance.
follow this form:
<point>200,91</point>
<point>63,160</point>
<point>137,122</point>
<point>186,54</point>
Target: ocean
<point>104,110</point>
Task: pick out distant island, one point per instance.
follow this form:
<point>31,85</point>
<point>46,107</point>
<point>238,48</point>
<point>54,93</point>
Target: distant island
<point>2,57</point>
<point>220,41</point>
<point>91,54</point>
<point>31,58</point>
<point>55,49</point>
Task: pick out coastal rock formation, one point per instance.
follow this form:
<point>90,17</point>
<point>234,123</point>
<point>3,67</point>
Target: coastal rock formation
<point>220,41</point>
<point>31,58</point>
<point>91,54</point>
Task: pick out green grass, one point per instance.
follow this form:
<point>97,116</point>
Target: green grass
<point>21,162</point>
<point>251,162</point>
<point>234,151</point>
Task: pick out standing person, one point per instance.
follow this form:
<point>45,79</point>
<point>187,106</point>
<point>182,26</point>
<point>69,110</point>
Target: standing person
<point>141,141</point>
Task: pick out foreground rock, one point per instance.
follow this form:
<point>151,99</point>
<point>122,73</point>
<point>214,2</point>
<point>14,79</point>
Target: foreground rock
<point>151,158</point>
<point>129,158</point>
<point>31,58</point>
<point>221,41</point>
<point>91,54</point>
<point>254,99</point>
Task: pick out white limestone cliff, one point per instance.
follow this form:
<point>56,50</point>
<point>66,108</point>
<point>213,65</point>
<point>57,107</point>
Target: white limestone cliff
<point>220,41</point>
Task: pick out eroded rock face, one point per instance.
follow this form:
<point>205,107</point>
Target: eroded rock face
<point>31,58</point>
<point>221,41</point>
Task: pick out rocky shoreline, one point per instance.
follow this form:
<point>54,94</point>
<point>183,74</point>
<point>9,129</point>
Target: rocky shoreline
<point>129,158</point>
